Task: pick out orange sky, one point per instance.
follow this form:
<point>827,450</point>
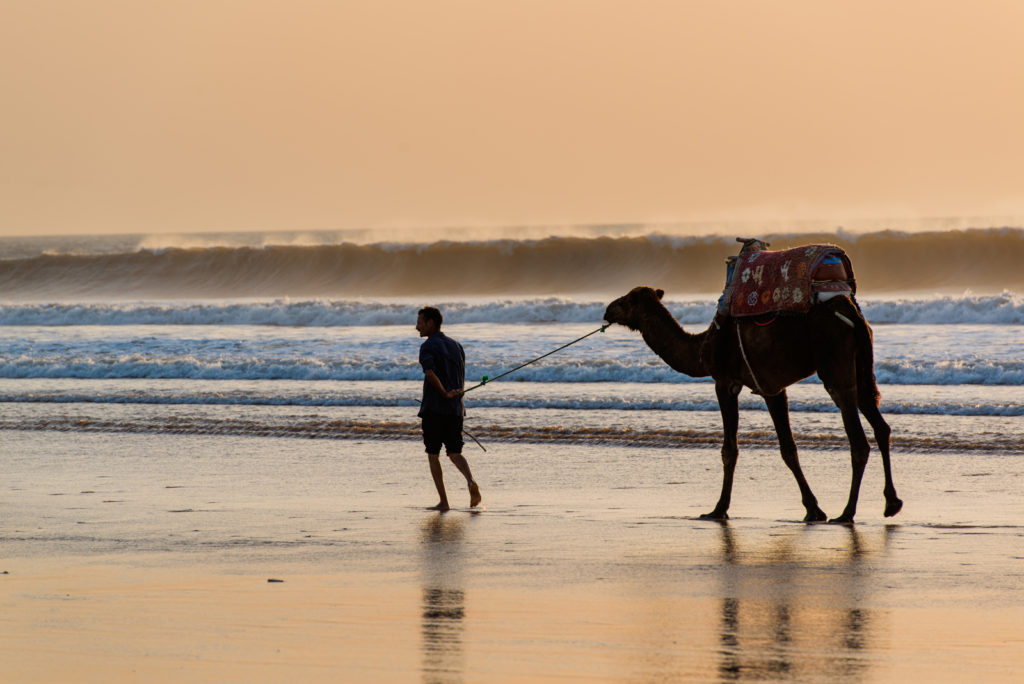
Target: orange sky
<point>187,115</point>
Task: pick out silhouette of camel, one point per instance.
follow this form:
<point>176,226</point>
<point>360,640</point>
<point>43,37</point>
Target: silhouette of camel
<point>832,340</point>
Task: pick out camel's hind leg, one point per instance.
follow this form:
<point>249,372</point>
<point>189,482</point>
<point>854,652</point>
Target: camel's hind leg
<point>869,408</point>
<point>778,407</point>
<point>728,403</point>
<point>845,398</point>
<point>867,399</point>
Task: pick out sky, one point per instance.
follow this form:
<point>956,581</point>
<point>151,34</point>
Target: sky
<point>221,115</point>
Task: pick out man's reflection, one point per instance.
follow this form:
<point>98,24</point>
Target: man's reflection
<point>444,605</point>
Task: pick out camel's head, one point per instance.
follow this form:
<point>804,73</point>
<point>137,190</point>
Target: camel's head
<point>628,309</point>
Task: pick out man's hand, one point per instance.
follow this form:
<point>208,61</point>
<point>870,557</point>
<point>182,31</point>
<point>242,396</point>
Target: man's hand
<point>435,382</point>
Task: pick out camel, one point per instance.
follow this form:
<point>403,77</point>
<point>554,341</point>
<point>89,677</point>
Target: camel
<point>832,340</point>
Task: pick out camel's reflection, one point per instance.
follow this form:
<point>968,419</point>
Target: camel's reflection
<point>443,598</point>
<point>793,612</point>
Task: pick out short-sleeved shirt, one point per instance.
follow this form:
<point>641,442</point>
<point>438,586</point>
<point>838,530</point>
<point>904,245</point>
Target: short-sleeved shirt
<point>445,357</point>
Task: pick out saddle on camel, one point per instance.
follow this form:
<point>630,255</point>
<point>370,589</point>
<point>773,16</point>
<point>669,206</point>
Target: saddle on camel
<point>760,282</point>
<point>783,317</point>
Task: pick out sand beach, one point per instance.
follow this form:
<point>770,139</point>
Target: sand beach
<point>150,558</point>
<point>235,489</point>
<point>219,222</point>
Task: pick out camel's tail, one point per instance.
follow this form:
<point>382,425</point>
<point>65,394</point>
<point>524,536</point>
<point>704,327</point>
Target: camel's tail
<point>866,383</point>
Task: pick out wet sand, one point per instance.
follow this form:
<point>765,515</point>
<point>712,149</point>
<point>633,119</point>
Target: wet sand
<point>147,558</point>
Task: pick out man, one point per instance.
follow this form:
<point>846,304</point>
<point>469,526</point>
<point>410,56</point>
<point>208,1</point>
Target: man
<point>442,409</point>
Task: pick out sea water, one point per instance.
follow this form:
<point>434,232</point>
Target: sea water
<point>107,336</point>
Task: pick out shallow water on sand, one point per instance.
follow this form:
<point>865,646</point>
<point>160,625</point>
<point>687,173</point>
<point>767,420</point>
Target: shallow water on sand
<point>587,563</point>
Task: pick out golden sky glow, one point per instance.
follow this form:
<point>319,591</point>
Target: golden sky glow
<point>185,115</point>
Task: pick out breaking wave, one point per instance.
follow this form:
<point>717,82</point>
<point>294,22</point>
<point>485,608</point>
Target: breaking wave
<point>1000,309</point>
<point>644,370</point>
<point>885,262</point>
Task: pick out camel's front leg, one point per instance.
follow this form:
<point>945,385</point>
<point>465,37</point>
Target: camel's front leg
<point>728,403</point>
<point>778,408</point>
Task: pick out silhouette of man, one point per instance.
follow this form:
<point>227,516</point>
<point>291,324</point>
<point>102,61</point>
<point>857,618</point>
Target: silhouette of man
<point>442,408</point>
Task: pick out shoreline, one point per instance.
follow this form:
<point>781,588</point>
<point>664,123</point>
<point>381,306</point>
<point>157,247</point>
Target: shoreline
<point>148,558</point>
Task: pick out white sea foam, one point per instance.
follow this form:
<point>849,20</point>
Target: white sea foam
<point>220,366</point>
<point>1003,309</point>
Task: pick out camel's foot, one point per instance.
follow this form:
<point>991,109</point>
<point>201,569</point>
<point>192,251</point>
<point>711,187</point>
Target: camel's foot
<point>892,507</point>
<point>815,515</point>
<point>715,515</point>
<point>442,507</point>
<point>842,520</point>
<point>474,495</point>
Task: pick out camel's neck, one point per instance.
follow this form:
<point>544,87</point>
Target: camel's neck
<point>676,347</point>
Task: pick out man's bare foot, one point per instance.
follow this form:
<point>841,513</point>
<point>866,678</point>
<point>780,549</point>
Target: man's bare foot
<point>443,506</point>
<point>474,495</point>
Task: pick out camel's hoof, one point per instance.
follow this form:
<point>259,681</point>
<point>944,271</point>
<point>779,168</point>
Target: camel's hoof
<point>893,507</point>
<point>715,515</point>
<point>817,515</point>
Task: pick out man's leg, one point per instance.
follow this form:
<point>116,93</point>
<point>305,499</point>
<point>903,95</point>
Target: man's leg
<point>463,465</point>
<point>435,471</point>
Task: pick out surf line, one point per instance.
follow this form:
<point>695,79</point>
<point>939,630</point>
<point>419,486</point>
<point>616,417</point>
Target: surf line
<point>485,380</point>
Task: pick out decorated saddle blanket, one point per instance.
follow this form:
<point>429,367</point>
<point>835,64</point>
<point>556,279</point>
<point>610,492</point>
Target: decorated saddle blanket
<point>786,281</point>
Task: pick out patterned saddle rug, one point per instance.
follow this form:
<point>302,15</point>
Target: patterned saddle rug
<point>791,281</point>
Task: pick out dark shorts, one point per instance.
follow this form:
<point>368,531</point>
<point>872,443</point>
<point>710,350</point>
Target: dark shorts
<point>442,429</point>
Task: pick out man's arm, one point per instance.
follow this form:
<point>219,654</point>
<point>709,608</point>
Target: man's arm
<point>435,382</point>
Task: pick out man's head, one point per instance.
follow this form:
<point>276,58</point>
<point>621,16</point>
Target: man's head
<point>428,321</point>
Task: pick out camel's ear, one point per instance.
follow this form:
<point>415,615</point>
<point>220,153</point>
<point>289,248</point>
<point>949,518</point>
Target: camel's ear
<point>660,293</point>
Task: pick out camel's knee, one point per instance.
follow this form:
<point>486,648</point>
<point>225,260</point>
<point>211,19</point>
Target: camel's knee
<point>882,433</point>
<point>878,424</point>
<point>859,443</point>
<point>791,458</point>
<point>786,442</point>
<point>859,456</point>
<point>859,446</point>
